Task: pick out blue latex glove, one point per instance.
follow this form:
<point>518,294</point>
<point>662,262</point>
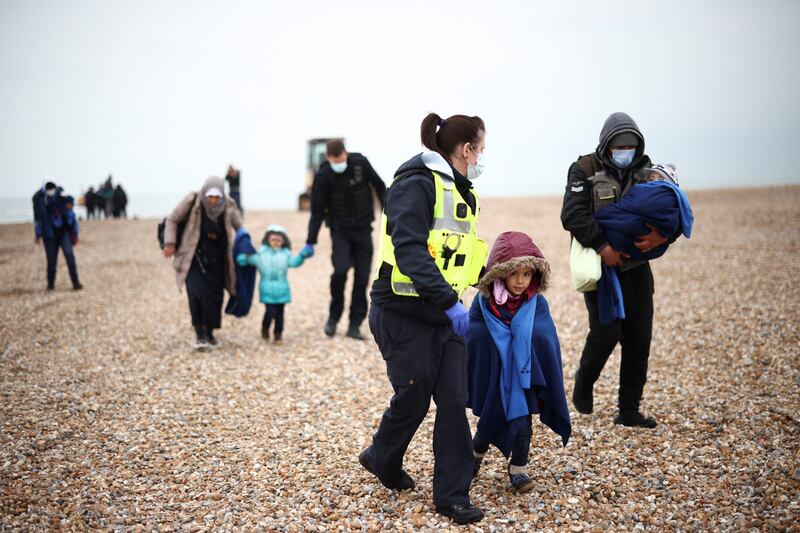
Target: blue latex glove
<point>459,316</point>
<point>308,250</point>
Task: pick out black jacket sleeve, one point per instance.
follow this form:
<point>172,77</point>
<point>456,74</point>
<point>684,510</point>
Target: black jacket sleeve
<point>319,202</point>
<point>576,211</point>
<point>376,182</point>
<point>409,212</point>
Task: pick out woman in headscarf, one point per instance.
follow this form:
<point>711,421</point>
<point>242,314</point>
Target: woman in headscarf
<point>199,234</point>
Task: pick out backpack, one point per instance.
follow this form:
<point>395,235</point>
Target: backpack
<point>162,226</point>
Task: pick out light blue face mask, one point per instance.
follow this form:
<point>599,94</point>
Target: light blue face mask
<point>339,167</point>
<point>623,158</point>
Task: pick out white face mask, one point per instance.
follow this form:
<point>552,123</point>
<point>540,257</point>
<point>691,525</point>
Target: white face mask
<point>50,192</point>
<point>339,167</point>
<point>623,158</point>
<point>474,171</point>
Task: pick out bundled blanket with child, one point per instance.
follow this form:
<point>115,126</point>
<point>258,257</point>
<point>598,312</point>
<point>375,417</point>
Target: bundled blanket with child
<point>658,204</point>
<point>515,357</point>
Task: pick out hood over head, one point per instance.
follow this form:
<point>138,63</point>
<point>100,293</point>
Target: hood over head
<point>616,124</point>
<point>217,210</point>
<point>275,229</point>
<point>513,250</point>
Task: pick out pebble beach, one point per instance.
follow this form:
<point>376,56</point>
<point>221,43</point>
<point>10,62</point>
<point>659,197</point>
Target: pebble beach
<point>110,420</point>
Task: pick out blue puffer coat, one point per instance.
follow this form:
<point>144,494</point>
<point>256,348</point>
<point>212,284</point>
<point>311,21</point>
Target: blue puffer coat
<point>273,266</point>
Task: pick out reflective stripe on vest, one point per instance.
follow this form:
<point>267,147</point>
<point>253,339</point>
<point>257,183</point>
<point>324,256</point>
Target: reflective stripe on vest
<point>446,219</point>
<point>452,242</point>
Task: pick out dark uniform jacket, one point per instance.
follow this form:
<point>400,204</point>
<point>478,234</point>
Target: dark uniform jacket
<point>344,200</point>
<point>409,210</point>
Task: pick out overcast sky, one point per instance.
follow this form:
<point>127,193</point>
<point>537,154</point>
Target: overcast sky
<point>165,93</point>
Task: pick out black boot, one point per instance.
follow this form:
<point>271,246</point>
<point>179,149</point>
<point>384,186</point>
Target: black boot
<point>582,397</point>
<point>633,418</point>
<point>461,513</point>
<point>265,334</point>
<point>402,482</point>
<point>278,336</point>
<point>354,333</point>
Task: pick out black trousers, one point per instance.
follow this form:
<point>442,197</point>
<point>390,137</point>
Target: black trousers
<point>63,240</point>
<point>520,449</point>
<point>351,248</point>
<point>424,361</point>
<point>634,334</point>
<point>273,312</point>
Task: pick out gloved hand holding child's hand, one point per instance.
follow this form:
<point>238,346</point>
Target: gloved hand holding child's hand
<point>308,250</point>
<point>459,316</point>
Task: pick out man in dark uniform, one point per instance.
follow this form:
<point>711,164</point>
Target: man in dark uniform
<point>593,182</point>
<point>341,195</point>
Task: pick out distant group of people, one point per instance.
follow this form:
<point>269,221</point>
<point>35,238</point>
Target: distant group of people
<point>502,357</point>
<point>107,201</point>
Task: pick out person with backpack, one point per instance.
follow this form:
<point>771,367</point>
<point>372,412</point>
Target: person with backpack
<point>595,181</point>
<point>55,225</point>
<point>203,258</point>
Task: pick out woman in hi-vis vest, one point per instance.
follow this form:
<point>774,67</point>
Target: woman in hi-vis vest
<point>429,254</point>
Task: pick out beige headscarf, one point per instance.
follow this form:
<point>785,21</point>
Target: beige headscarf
<point>213,212</point>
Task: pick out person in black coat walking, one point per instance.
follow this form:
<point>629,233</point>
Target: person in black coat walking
<point>595,181</point>
<point>341,196</point>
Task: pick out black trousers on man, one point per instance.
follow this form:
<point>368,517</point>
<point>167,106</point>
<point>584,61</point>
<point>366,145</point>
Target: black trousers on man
<point>352,248</point>
<point>424,361</point>
<point>63,240</point>
<point>634,334</point>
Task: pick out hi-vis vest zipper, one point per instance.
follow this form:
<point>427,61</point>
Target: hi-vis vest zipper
<point>452,242</point>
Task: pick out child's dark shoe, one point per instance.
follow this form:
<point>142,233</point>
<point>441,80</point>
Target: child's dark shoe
<point>265,334</point>
<point>278,336</point>
<point>520,480</point>
<point>330,327</point>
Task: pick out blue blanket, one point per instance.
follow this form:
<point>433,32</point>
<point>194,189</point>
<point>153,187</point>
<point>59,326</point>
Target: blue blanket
<point>517,376</point>
<point>240,304</point>
<point>659,203</point>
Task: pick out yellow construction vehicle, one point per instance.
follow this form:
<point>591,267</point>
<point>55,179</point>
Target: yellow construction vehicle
<point>316,150</point>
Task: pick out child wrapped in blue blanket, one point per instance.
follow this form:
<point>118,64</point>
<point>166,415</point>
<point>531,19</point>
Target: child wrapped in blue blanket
<point>655,203</point>
<point>514,356</point>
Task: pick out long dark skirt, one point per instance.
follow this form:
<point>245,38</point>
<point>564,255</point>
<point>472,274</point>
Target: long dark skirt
<point>205,298</point>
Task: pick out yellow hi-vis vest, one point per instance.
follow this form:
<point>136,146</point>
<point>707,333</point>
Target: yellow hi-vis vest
<point>452,242</point>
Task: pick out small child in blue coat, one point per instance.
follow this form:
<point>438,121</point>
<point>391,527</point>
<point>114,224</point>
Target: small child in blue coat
<point>273,261</point>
